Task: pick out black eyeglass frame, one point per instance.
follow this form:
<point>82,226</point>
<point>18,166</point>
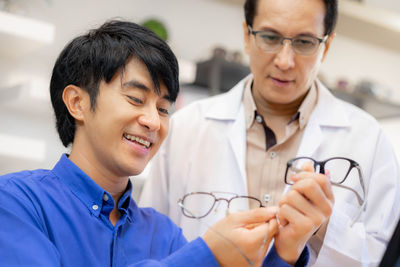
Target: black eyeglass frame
<point>216,199</point>
<point>321,164</point>
<point>320,40</point>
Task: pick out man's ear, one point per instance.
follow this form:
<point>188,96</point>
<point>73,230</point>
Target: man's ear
<point>328,44</point>
<point>246,37</point>
<point>76,100</point>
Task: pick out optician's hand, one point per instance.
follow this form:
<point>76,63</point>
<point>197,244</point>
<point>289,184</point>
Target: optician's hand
<point>302,211</point>
<point>244,230</point>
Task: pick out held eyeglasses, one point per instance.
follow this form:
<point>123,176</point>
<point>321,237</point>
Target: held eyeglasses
<point>197,205</point>
<point>338,169</point>
<point>271,42</point>
<point>200,204</point>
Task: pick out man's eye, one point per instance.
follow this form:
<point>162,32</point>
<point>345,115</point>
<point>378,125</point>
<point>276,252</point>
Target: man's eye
<point>304,42</point>
<point>270,38</point>
<point>135,99</point>
<point>163,110</point>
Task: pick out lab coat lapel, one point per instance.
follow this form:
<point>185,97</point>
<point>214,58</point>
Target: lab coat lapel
<point>230,110</point>
<point>237,140</point>
<point>329,112</point>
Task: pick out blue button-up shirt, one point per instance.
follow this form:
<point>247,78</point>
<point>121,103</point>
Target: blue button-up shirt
<point>60,217</point>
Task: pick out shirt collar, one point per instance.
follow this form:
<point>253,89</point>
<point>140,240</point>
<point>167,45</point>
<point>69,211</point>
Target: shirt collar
<point>250,107</point>
<point>95,198</point>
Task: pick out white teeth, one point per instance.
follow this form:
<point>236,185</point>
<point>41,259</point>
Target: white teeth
<point>138,139</point>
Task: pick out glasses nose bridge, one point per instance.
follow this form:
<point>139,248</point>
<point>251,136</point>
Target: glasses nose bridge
<point>286,52</point>
<point>223,199</point>
<point>289,39</point>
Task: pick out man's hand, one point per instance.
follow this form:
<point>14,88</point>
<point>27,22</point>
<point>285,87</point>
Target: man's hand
<point>302,211</point>
<point>245,231</point>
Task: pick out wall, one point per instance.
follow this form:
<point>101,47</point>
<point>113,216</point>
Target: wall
<point>195,26</point>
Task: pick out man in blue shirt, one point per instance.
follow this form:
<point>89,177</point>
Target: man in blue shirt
<point>111,91</point>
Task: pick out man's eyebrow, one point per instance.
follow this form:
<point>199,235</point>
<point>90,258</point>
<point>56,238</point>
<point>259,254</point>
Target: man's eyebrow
<point>266,28</point>
<point>167,97</point>
<point>139,85</point>
<point>135,84</point>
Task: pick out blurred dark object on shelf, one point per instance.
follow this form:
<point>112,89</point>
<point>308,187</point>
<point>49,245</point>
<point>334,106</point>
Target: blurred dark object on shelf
<point>343,85</point>
<point>364,87</point>
<point>219,74</point>
<point>373,89</point>
<point>371,97</point>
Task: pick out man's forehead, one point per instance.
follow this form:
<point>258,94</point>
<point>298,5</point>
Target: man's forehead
<point>292,16</point>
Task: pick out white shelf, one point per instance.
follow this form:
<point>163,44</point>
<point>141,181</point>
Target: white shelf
<point>367,23</point>
<point>20,35</point>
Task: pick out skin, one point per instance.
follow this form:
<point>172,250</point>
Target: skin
<point>126,105</point>
<point>284,77</point>
<point>247,231</point>
<point>302,211</point>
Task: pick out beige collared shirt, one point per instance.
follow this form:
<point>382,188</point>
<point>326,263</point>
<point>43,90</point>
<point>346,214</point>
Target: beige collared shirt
<point>267,152</point>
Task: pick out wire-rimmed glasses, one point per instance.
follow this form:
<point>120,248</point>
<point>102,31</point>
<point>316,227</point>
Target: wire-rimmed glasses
<point>338,169</point>
<point>197,205</point>
<point>200,204</point>
<point>271,42</point>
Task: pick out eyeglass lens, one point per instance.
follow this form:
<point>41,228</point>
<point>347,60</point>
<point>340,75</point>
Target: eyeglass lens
<point>200,204</point>
<point>338,168</point>
<point>271,42</point>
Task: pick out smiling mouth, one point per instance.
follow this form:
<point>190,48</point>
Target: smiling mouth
<point>138,140</point>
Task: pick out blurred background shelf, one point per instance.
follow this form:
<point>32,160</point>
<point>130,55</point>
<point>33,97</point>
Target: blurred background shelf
<point>380,109</point>
<point>21,35</point>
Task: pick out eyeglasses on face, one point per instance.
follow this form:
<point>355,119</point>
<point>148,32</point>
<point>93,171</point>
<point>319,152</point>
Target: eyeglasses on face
<point>199,204</point>
<point>271,42</point>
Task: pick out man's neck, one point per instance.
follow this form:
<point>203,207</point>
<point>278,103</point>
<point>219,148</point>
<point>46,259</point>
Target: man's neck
<point>114,185</point>
<point>267,108</point>
<point>277,115</point>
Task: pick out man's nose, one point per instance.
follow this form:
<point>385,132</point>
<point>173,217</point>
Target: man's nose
<point>150,118</point>
<point>284,58</point>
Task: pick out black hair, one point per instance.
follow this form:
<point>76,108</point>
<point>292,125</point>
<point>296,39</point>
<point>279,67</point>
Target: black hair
<point>98,55</point>
<point>331,13</point>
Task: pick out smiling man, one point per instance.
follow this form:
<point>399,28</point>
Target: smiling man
<point>111,91</point>
<point>241,141</point>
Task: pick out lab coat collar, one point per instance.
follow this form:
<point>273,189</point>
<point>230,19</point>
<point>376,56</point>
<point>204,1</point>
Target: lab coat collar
<point>226,106</point>
<point>329,111</point>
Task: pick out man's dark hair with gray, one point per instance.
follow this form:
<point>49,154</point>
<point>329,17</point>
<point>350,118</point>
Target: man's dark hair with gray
<point>331,13</point>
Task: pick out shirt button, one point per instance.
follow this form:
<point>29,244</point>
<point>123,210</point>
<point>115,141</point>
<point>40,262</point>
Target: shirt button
<point>105,197</point>
<point>267,198</point>
<point>272,154</point>
<point>95,207</point>
<point>259,119</point>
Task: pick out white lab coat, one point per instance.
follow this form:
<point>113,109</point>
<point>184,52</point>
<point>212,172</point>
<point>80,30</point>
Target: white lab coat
<point>205,151</point>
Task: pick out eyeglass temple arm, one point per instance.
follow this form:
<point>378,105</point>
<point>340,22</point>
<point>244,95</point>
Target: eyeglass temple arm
<point>359,198</point>
<point>360,177</point>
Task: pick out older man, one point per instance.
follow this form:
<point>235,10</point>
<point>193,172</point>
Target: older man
<point>244,141</point>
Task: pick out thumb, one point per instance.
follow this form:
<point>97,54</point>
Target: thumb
<point>308,167</point>
<point>258,215</point>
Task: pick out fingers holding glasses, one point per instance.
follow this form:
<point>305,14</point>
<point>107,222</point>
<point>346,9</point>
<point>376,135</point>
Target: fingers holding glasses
<point>303,209</point>
<point>242,237</point>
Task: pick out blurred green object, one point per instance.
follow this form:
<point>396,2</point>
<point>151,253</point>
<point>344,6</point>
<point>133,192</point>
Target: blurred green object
<point>157,27</point>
